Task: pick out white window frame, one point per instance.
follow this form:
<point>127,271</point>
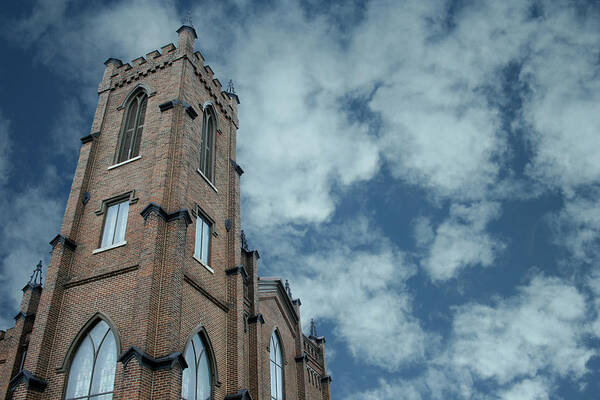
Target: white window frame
<point>204,227</point>
<point>113,223</point>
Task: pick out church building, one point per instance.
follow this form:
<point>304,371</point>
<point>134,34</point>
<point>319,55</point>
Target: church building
<point>152,291</point>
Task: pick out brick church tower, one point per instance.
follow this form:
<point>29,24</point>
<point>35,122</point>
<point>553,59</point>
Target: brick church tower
<point>152,291</point>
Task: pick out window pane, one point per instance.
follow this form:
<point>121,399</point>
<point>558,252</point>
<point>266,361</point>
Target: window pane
<point>209,147</point>
<point>121,222</point>
<point>203,390</point>
<point>205,241</point>
<point>98,333</point>
<point>198,245</point>
<point>189,375</point>
<point>139,127</point>
<point>279,383</point>
<point>80,373</point>
<point>109,225</point>
<point>273,381</point>
<point>106,362</point>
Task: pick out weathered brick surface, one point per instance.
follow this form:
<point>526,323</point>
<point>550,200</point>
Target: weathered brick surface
<point>152,291</point>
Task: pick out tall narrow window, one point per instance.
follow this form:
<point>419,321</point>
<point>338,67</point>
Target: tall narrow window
<point>196,381</point>
<point>115,224</point>
<point>276,368</point>
<point>202,246</point>
<point>207,144</point>
<point>131,135</point>
<point>92,372</point>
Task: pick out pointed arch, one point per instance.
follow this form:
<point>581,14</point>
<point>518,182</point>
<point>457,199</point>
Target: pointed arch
<point>64,367</point>
<point>91,360</point>
<point>210,125</point>
<point>205,358</point>
<point>140,86</point>
<point>130,137</point>
<point>276,364</point>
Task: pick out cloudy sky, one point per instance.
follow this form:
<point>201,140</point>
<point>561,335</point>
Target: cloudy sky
<point>426,173</point>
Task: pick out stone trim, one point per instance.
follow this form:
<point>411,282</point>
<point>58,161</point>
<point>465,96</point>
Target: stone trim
<point>233,96</point>
<point>37,286</point>
<point>154,364</point>
<point>301,358</point>
<point>21,314</point>
<point>243,394</point>
<point>115,61</point>
<point>32,382</point>
<point>117,199</point>
<point>66,242</point>
<point>172,103</point>
<point>158,210</point>
<point>206,294</point>
<point>256,318</point>
<point>240,269</point>
<point>94,278</point>
<point>187,28</point>
<point>90,137</point>
<point>326,379</point>
<point>237,167</point>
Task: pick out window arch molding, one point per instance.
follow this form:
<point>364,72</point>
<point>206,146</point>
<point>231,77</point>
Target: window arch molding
<point>89,325</point>
<point>277,334</point>
<point>212,360</point>
<point>208,141</point>
<point>209,105</point>
<point>201,331</point>
<point>134,91</point>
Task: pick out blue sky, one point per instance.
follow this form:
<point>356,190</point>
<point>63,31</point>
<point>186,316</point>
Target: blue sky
<point>426,174</point>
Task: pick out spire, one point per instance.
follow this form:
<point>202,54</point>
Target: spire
<point>230,88</point>
<point>287,289</point>
<point>36,277</point>
<point>187,35</point>
<point>313,328</point>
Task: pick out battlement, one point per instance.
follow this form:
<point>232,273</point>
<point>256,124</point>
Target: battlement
<point>119,74</point>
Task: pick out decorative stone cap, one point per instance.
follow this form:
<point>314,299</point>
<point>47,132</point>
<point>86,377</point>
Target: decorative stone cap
<point>32,382</point>
<point>189,29</point>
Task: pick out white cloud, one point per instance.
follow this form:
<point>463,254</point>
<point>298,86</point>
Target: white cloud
<point>519,346</point>
<point>539,329</point>
<point>356,265</point>
<point>528,389</point>
<point>32,219</point>
<point>460,241</point>
<point>577,228</point>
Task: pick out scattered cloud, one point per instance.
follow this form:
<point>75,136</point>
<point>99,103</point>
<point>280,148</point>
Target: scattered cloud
<point>358,265</point>
<point>519,346</point>
<point>460,241</point>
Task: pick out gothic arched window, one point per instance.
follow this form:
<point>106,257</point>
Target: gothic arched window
<point>92,371</point>
<point>276,368</point>
<point>196,382</point>
<point>131,135</point>
<point>207,145</point>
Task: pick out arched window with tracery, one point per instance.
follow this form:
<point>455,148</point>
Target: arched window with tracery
<point>92,370</point>
<point>207,144</point>
<point>131,133</point>
<point>276,368</point>
<point>196,383</point>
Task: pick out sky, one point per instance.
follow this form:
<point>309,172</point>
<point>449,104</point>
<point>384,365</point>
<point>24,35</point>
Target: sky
<point>425,173</point>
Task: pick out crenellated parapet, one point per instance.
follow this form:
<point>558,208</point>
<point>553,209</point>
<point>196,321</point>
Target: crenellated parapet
<point>120,74</point>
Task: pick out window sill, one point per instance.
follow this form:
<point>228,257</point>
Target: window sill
<point>207,181</point>
<point>212,271</point>
<point>124,162</point>
<point>123,243</point>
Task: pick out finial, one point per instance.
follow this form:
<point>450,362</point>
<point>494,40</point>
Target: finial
<point>230,88</point>
<point>187,20</point>
<point>36,277</point>
<point>287,288</point>
<point>244,240</point>
<point>313,328</point>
